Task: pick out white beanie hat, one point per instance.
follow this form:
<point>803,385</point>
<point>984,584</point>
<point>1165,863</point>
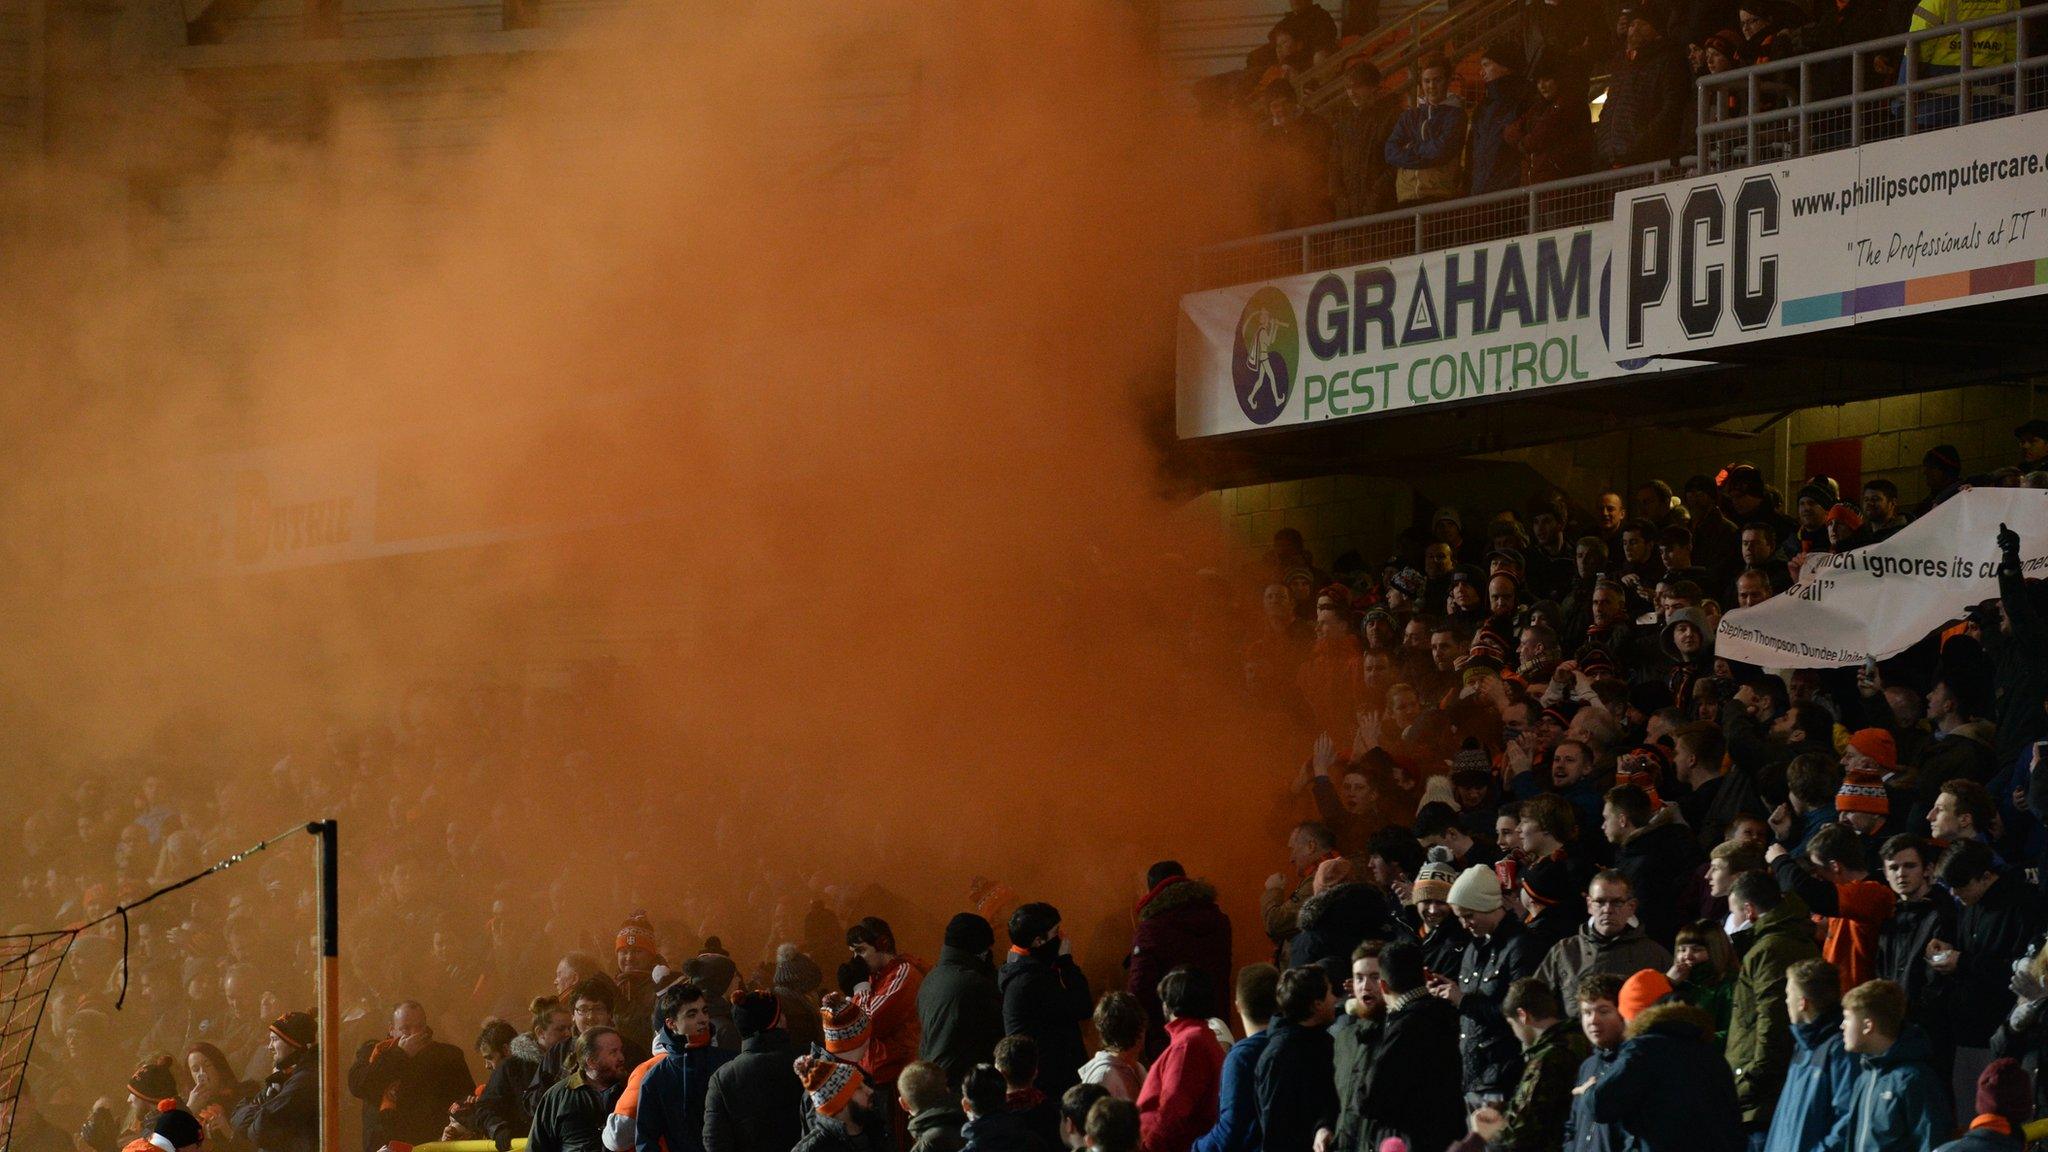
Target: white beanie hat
<point>1477,890</point>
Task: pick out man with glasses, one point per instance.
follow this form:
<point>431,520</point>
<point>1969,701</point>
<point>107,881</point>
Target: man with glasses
<point>1607,941</point>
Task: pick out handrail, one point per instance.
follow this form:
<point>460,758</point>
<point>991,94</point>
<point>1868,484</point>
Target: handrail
<point>1809,123</point>
<point>1395,45</point>
<point>1566,203</point>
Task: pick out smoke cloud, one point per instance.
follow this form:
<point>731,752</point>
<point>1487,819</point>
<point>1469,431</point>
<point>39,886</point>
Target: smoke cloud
<point>800,482</point>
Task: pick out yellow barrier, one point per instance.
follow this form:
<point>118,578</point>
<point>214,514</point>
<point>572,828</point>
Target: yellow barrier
<point>518,1145</point>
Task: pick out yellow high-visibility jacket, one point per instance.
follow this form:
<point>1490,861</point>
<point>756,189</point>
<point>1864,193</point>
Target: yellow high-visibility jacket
<point>1987,45</point>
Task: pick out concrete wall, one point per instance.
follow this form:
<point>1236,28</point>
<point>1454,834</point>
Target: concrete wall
<point>1339,513</point>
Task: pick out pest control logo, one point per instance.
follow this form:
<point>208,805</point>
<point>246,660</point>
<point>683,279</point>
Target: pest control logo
<point>1266,355</point>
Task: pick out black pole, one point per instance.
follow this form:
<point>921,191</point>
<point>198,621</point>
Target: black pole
<point>330,983</point>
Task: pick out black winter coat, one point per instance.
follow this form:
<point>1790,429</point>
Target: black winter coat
<point>826,1134</point>
<point>420,1089</point>
<point>754,1103</point>
<point>1670,1088</point>
<point>504,1110</point>
<point>284,1115</point>
<point>1296,1084</point>
<point>1991,934</point>
<point>1001,1132</point>
<point>1335,922</point>
<point>1659,861</point>
<point>1902,945</point>
<point>960,1012</point>
<point>1496,164</point>
<point>1045,997</point>
<point>1178,923</point>
<point>1492,1055</point>
<point>1412,1088</point>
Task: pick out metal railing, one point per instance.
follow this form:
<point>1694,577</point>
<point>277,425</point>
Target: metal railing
<point>1823,101</point>
<point>1396,46</point>
<point>1411,231</point>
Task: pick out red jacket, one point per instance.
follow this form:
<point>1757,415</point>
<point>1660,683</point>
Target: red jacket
<point>1177,1105</point>
<point>890,1000</point>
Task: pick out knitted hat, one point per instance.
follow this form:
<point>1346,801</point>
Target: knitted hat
<point>152,1082</point>
<point>796,971</point>
<point>1445,513</point>
<point>756,1012</point>
<point>180,1127</point>
<point>1408,581</point>
<point>1477,890</point>
<point>1507,555</point>
<point>636,932</point>
<point>969,933</point>
<point>1437,790</point>
<point>1820,490</point>
<point>1641,991</point>
<point>1434,879</point>
<point>299,1029</point>
<point>711,972</point>
<point>846,1029</point>
<point>829,1083</point>
<point>1548,882</point>
<point>1863,791</point>
<point>1471,758</point>
<point>1561,713</point>
<point>1944,457</point>
<point>2005,1089</point>
<point>2032,429</point>
<point>1878,745</point>
<point>1331,873</point>
<point>1596,661</point>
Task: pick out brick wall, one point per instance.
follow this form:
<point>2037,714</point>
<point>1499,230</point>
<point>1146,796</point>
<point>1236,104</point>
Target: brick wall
<point>1339,513</point>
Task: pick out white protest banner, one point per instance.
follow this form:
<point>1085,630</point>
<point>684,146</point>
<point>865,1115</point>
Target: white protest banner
<point>1882,599</point>
<point>1480,321</point>
<point>1915,224</point>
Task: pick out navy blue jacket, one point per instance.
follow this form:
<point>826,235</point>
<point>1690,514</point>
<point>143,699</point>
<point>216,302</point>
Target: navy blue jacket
<point>1237,1117</point>
<point>1297,1086</point>
<point>1582,1133</point>
<point>1670,1088</point>
<point>1819,1093</point>
<point>671,1117</point>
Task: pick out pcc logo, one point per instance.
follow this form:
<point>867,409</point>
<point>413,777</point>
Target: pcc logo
<point>1709,252</point>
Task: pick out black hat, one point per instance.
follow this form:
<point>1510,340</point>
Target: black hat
<point>152,1082</point>
<point>969,933</point>
<point>755,1012</point>
<point>297,1028</point>
<point>176,1125</point>
<point>2032,429</point>
<point>1944,457</point>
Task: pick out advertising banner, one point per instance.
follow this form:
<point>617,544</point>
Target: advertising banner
<point>1882,599</point>
<point>1482,321</point>
<point>1915,224</point>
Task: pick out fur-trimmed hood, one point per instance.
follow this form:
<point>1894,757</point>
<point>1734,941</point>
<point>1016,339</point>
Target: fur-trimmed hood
<point>527,1048</point>
<point>1674,1017</point>
<point>1175,895</point>
<point>1363,897</point>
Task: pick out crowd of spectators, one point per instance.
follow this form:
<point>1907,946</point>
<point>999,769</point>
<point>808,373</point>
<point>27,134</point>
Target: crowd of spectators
<point>1519,110</point>
<point>1561,877</point>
